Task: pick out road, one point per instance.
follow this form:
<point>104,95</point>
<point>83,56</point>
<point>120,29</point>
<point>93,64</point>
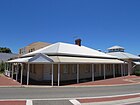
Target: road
<point>65,92</point>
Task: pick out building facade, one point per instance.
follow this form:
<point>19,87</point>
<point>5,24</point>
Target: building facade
<point>32,47</point>
<point>62,63</point>
<point>132,60</point>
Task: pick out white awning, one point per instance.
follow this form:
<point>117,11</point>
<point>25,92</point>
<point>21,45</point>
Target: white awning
<point>20,60</point>
<point>137,63</point>
<point>85,60</point>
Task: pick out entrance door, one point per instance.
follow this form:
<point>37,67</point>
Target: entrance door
<point>47,72</point>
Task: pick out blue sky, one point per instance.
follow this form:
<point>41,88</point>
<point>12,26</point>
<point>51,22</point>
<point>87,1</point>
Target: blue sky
<point>99,23</point>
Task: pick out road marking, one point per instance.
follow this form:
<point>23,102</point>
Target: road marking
<point>29,102</point>
<point>74,97</point>
<point>75,102</point>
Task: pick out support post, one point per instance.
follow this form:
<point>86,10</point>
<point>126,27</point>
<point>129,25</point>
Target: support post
<point>124,68</point>
<point>17,72</point>
<point>28,71</point>
<point>121,70</point>
<point>12,70</point>
<point>58,74</point>
<point>92,72</point>
<point>104,71</point>
<point>114,70</point>
<point>21,74</point>
<point>52,74</point>
<point>5,66</point>
<point>129,67</point>
<point>77,73</point>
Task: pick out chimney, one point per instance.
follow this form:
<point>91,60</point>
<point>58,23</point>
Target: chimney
<point>78,42</point>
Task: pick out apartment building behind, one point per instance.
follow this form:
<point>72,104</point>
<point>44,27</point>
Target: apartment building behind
<point>32,47</point>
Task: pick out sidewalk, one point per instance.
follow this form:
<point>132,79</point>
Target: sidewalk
<point>6,81</point>
<point>125,80</point>
<point>114,100</point>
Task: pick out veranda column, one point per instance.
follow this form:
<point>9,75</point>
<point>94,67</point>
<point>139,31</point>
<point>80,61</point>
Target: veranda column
<point>104,71</point>
<point>17,72</point>
<point>114,70</point>
<point>21,74</point>
<point>28,71</point>
<point>124,68</point>
<point>92,72</point>
<point>77,73</point>
<point>6,66</point>
<point>12,70</point>
<point>58,74</point>
<point>52,74</point>
<point>129,67</point>
<point>121,70</point>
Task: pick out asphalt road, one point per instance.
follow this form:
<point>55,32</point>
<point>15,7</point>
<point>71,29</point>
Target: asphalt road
<point>65,92</point>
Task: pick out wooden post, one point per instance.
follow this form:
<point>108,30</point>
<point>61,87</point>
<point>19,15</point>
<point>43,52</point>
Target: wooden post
<point>92,72</point>
<point>58,74</point>
<point>104,71</point>
<point>77,73</point>
<point>28,74</point>
<point>21,74</point>
<point>52,74</point>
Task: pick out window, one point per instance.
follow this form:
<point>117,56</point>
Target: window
<point>87,68</point>
<point>65,69</point>
<point>73,68</point>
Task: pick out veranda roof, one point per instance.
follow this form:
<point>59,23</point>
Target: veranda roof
<point>63,59</point>
<point>137,63</point>
<point>41,58</point>
<point>123,55</point>
<point>20,60</point>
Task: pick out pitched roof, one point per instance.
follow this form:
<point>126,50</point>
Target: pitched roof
<point>124,55</point>
<point>69,49</point>
<point>5,56</point>
<point>115,47</point>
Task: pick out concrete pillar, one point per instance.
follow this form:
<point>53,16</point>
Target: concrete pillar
<point>28,74</point>
<point>104,71</point>
<point>58,74</point>
<point>52,74</point>
<point>92,72</point>
<point>77,73</point>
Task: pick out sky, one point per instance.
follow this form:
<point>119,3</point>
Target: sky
<point>99,23</point>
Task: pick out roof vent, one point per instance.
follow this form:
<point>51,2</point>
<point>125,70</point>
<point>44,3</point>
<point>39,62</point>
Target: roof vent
<point>78,42</point>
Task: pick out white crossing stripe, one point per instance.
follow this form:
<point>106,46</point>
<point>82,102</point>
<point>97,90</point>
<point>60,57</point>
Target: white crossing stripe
<point>29,102</point>
<point>75,102</point>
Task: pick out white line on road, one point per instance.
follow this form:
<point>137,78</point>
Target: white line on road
<point>75,102</point>
<point>29,102</point>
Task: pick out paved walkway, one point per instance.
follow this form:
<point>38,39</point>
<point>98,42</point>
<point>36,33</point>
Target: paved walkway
<point>12,102</point>
<point>112,81</point>
<point>6,81</point>
<point>114,100</point>
<point>125,80</point>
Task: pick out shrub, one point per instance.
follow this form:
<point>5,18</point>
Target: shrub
<point>137,72</point>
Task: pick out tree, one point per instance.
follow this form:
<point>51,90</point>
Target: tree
<point>5,50</point>
<point>2,66</point>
